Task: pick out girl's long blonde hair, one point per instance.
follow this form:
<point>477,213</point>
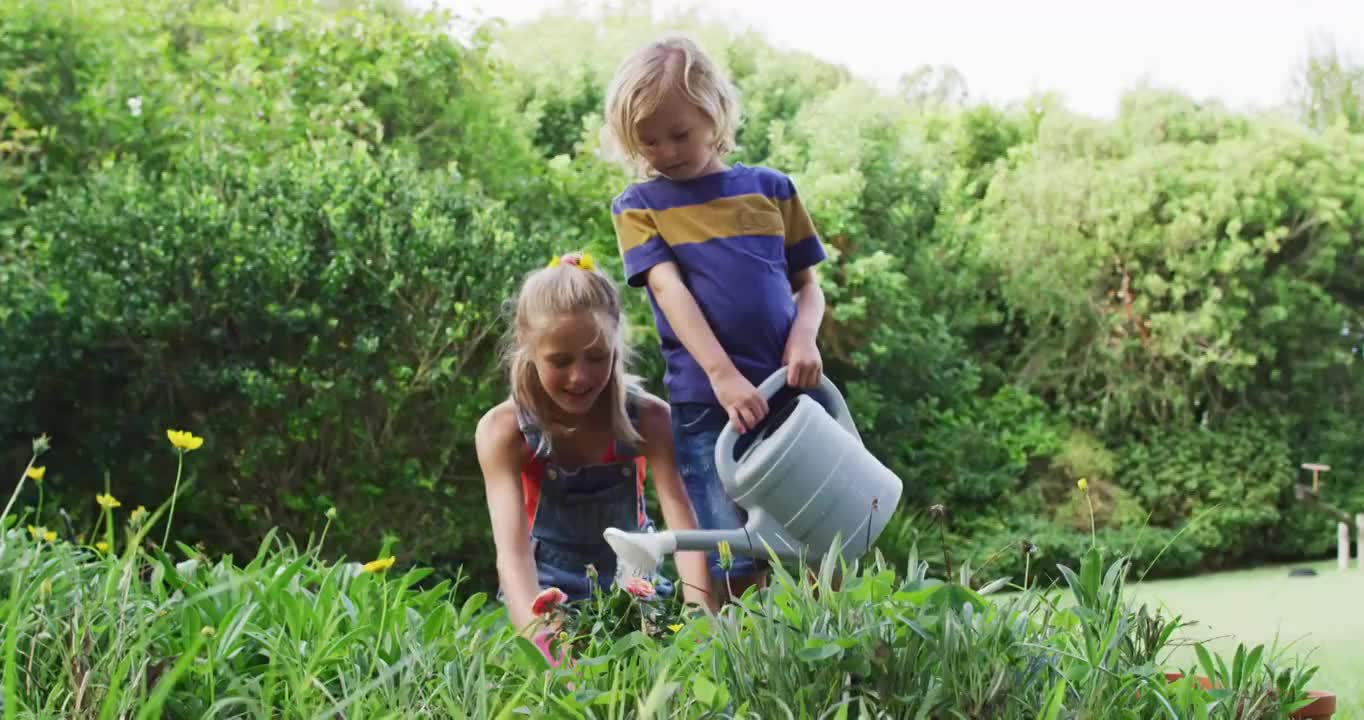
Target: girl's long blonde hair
<point>673,63</point>
<point>573,285</point>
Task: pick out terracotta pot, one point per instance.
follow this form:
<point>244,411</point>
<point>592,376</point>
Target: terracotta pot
<point>1322,707</point>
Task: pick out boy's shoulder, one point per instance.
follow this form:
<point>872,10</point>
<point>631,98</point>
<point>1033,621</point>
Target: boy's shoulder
<point>740,179</point>
<point>642,195</point>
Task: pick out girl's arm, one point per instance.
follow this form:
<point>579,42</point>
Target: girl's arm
<point>500,451</point>
<point>655,423</point>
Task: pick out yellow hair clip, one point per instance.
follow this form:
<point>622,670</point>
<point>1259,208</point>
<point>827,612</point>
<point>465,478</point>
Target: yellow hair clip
<point>583,261</point>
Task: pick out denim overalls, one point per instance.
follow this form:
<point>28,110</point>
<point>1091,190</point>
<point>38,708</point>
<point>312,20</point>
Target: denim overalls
<point>574,506</point>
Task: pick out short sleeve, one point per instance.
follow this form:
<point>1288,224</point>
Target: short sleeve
<point>803,247</point>
<point>641,246</point>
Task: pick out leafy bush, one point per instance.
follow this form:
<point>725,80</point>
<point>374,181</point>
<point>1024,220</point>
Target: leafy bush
<point>328,322</point>
<point>1231,485</point>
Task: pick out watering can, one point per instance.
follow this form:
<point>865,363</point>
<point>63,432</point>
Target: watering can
<point>806,481</point>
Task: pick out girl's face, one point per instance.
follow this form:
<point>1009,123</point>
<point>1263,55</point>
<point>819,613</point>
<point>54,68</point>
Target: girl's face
<point>573,360</point>
<point>678,140</point>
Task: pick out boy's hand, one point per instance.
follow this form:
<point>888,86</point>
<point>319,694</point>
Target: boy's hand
<point>804,366</point>
<point>745,405</point>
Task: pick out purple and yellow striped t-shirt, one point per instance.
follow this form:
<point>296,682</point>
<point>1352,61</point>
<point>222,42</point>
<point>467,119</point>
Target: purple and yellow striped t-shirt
<point>736,237</point>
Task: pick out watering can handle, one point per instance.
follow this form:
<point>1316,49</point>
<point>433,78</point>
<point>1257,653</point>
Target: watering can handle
<point>725,464</point>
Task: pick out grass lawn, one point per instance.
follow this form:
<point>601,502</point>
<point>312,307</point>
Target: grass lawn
<point>1322,617</point>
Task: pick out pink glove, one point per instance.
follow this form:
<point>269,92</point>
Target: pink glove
<point>542,639</point>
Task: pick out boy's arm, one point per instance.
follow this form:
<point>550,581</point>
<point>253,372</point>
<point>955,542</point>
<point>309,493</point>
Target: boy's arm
<point>804,366</point>
<point>746,407</point>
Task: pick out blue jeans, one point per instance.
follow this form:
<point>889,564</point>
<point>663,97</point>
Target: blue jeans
<point>696,427</point>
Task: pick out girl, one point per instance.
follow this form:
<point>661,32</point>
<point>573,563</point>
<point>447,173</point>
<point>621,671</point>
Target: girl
<point>564,457</point>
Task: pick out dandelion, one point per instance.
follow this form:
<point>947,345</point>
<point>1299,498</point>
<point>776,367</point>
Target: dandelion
<point>102,546</point>
<point>547,600</point>
<point>184,440</point>
<point>640,588</point>
<point>36,473</point>
<point>380,565</point>
<point>108,501</point>
<point>676,627</point>
<point>1083,484</point>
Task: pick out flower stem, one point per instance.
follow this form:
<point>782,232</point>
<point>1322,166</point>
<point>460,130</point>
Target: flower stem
<point>175,491</point>
<point>1093,539</point>
<point>15,495</point>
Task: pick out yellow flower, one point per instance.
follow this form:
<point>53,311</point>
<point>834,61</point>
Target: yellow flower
<point>138,515</point>
<point>102,546</point>
<point>108,502</point>
<point>379,565</point>
<point>36,473</point>
<point>43,533</point>
<point>675,628</point>
<point>586,262</point>
<point>35,531</point>
<point>553,262</point>
<point>1083,484</point>
<point>184,440</point>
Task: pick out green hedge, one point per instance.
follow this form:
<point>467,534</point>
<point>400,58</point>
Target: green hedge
<point>328,322</point>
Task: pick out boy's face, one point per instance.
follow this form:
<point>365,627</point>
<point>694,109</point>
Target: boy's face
<point>678,140</point>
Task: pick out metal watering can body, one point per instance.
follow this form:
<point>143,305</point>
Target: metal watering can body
<point>806,481</point>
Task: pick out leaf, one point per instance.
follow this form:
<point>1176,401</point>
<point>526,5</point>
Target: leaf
<point>1052,709</point>
<point>704,690</point>
<point>471,606</point>
<point>816,650</point>
<point>529,656</point>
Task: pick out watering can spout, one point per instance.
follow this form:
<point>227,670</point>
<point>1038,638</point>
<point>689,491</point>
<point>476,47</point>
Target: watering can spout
<point>639,554</point>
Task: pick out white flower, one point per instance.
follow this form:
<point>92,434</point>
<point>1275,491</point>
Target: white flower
<point>135,106</point>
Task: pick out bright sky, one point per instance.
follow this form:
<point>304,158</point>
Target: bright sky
<point>1241,51</point>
